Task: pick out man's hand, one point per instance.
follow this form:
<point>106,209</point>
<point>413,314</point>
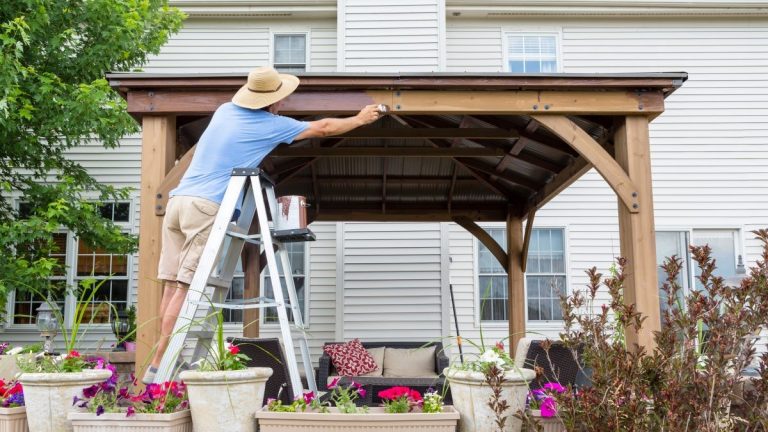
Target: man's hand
<point>332,126</point>
<point>369,114</point>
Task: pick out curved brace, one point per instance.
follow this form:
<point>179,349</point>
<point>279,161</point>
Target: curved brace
<point>172,180</point>
<point>593,152</point>
<point>486,239</point>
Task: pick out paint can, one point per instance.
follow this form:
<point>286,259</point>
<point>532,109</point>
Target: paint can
<point>291,213</point>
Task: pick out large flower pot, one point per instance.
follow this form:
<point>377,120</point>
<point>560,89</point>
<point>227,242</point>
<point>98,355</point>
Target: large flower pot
<point>49,396</point>
<point>225,400</point>
<point>117,422</point>
<point>376,420</point>
<point>13,419</point>
<point>8,367</point>
<point>471,395</point>
<point>548,424</point>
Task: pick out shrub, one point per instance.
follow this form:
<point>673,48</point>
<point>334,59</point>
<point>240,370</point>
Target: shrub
<point>691,381</point>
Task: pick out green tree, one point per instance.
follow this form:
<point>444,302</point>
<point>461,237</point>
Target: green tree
<point>53,97</point>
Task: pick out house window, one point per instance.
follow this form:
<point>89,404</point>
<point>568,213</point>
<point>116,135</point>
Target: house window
<point>290,53</point>
<point>545,277</point>
<point>724,244</point>
<point>79,261</point>
<point>532,53</point>
<point>297,254</point>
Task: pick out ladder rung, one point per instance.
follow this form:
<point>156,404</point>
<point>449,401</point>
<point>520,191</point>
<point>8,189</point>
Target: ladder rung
<point>241,233</point>
<point>219,282</point>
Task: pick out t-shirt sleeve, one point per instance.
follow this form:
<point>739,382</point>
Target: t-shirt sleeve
<point>286,129</point>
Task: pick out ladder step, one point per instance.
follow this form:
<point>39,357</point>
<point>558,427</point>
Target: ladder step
<point>219,282</point>
<point>237,232</point>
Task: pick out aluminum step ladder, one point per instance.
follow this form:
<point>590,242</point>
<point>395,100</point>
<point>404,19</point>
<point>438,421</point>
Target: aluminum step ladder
<point>213,279</point>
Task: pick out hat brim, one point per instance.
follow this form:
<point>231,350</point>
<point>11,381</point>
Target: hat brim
<point>253,100</point>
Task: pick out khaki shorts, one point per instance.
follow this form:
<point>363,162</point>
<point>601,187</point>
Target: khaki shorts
<point>186,226</point>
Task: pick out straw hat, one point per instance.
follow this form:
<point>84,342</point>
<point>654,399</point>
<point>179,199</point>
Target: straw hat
<point>264,87</point>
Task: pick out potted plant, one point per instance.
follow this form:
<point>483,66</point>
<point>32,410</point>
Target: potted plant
<point>224,392</point>
<point>51,381</point>
<point>404,410</point>
<point>13,413</point>
<point>543,408</point>
<point>159,408</point>
<point>489,391</point>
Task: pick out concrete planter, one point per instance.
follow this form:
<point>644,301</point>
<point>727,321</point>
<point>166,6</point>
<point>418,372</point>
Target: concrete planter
<point>376,420</point>
<point>548,424</point>
<point>13,419</point>
<point>471,395</point>
<point>8,367</point>
<point>49,396</point>
<point>117,422</point>
<point>225,400</point>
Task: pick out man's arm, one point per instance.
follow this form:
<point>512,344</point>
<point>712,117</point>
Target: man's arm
<point>333,126</point>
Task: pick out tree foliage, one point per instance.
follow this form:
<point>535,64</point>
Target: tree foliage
<point>53,97</point>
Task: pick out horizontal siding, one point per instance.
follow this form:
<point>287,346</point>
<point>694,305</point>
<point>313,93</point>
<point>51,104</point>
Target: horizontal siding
<point>219,46</point>
<point>392,281</point>
<point>391,35</point>
<point>709,152</point>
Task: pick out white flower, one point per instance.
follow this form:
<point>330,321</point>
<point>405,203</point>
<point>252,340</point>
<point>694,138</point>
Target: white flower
<point>14,351</point>
<point>491,356</point>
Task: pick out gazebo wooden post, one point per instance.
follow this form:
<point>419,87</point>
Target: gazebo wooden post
<point>158,153</point>
<point>251,284</point>
<point>515,280</point>
<point>637,231</point>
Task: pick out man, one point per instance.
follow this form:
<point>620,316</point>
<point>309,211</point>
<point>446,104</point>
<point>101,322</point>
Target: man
<point>240,134</point>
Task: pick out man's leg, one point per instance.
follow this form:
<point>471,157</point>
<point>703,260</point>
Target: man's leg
<point>168,317</point>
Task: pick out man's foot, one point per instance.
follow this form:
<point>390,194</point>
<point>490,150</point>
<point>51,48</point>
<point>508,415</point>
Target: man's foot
<point>149,375</point>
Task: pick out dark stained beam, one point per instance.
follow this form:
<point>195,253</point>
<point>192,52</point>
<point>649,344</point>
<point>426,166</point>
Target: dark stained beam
<point>430,152</point>
<point>483,237</point>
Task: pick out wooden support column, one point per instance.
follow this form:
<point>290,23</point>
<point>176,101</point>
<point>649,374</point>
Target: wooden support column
<point>251,283</point>
<point>637,231</point>
<point>158,152</point>
<point>515,280</point>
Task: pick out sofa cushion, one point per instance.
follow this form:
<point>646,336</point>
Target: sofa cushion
<point>350,359</point>
<point>415,362</point>
<point>378,357</point>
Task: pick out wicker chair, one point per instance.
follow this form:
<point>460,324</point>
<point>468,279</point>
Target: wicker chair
<point>557,365</point>
<point>268,353</point>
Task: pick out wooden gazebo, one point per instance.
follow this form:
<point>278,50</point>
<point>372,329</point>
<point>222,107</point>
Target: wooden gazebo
<point>461,148</point>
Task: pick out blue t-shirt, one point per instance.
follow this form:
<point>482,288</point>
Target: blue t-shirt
<point>236,138</point>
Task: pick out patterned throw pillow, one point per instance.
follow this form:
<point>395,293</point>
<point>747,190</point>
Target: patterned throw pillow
<point>350,359</point>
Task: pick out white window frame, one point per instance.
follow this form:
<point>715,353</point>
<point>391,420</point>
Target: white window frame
<point>738,246</point>
<point>557,33</point>
<point>535,324</point>
<point>70,301</point>
<point>288,32</point>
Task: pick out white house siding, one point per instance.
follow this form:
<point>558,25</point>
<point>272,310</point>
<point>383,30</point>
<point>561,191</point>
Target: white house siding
<point>239,45</point>
<point>391,285</point>
<point>390,35</point>
<point>709,152</point>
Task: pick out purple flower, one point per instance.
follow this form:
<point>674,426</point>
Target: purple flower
<point>334,383</point>
<point>130,411</point>
<point>100,410</point>
<point>91,391</point>
<point>553,386</point>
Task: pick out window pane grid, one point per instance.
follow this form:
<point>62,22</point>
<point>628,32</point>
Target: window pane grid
<point>532,53</point>
<point>545,277</point>
<point>290,52</point>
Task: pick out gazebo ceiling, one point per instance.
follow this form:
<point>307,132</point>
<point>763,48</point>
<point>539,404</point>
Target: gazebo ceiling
<point>474,146</point>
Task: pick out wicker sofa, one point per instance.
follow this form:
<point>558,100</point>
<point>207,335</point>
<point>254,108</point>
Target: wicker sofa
<point>374,384</point>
